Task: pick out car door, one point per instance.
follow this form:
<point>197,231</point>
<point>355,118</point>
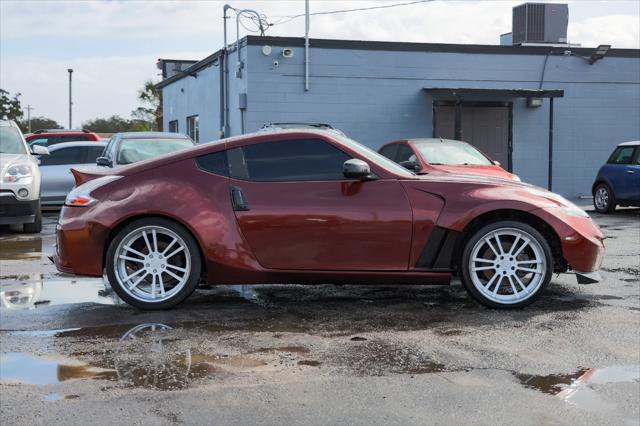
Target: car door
<point>55,170</point>
<point>298,212</point>
<point>620,172</point>
<point>633,176</point>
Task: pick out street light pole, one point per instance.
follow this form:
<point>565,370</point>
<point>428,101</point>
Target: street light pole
<point>70,70</point>
<point>29,108</point>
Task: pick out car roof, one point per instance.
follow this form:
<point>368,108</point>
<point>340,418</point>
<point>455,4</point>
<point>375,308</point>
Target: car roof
<point>630,143</point>
<point>146,135</point>
<point>434,140</point>
<point>8,123</point>
<point>72,144</point>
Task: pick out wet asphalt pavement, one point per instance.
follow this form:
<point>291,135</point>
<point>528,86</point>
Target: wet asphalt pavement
<point>72,353</point>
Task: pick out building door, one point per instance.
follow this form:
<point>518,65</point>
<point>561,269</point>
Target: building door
<point>484,125</point>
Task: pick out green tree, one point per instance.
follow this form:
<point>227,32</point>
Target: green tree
<point>38,123</point>
<point>10,107</point>
<point>113,124</point>
<point>151,109</point>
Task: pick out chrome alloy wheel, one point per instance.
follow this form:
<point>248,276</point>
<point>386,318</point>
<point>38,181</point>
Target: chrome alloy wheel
<point>601,198</point>
<point>507,265</point>
<point>152,264</point>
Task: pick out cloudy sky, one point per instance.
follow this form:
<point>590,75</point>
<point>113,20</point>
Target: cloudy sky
<point>113,45</point>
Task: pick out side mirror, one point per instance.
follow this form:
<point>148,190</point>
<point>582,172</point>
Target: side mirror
<point>39,150</point>
<point>356,169</point>
<point>414,166</point>
<point>103,161</point>
<point>496,163</point>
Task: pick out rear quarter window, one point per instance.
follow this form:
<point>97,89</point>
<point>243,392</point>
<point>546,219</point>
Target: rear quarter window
<point>215,163</point>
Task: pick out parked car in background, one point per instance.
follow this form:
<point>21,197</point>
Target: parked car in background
<point>618,181</point>
<point>55,168</point>
<point>299,125</point>
<point>131,147</point>
<point>443,155</point>
<point>19,179</point>
<point>311,206</point>
<point>54,136</point>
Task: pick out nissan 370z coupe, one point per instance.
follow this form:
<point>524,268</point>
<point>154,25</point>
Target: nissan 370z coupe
<point>312,206</point>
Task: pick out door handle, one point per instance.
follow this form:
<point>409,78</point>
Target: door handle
<point>630,172</point>
<point>238,200</point>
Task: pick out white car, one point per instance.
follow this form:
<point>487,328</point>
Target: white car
<point>19,179</point>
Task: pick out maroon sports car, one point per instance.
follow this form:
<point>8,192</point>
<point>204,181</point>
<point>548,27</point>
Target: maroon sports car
<point>308,207</point>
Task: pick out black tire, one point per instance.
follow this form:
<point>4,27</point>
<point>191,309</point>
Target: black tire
<point>36,226</point>
<point>610,205</point>
<point>193,275</point>
<point>465,273</point>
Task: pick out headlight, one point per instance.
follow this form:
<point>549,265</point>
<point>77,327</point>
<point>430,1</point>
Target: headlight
<point>562,203</point>
<point>16,172</point>
<point>516,178</point>
<point>80,196</point>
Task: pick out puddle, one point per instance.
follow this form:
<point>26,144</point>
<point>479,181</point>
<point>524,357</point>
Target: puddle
<point>578,388</point>
<point>58,397</point>
<point>46,370</point>
<point>21,248</point>
<point>30,291</point>
<point>146,357</point>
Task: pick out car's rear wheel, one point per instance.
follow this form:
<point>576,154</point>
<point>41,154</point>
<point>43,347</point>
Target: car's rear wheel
<point>506,264</point>
<point>603,199</point>
<point>153,264</point>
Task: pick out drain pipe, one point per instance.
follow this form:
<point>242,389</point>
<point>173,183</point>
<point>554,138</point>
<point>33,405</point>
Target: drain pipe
<point>224,125</point>
<point>306,45</point>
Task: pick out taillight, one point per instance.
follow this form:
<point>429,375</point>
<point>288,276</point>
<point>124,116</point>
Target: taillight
<point>80,196</point>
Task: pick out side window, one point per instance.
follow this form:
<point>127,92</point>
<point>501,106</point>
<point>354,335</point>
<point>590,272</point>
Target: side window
<point>622,155</point>
<point>93,152</point>
<point>636,157</point>
<point>287,160</point>
<point>405,153</point>
<point>41,142</point>
<point>215,162</point>
<point>390,151</point>
<point>63,156</point>
<point>173,126</point>
<point>193,128</point>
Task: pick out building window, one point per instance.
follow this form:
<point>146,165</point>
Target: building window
<point>173,126</point>
<point>193,128</point>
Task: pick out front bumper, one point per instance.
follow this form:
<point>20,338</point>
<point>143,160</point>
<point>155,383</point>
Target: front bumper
<point>15,211</point>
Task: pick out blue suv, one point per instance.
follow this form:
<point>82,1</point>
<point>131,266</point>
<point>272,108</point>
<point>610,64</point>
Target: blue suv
<point>618,181</point>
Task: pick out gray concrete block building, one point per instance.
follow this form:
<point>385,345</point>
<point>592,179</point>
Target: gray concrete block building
<point>498,97</point>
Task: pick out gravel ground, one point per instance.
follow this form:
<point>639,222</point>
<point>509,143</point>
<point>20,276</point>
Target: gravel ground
<point>72,353</point>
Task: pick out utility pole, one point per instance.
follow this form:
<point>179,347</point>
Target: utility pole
<point>29,108</point>
<point>70,70</point>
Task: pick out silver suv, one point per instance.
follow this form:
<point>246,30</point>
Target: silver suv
<point>19,179</point>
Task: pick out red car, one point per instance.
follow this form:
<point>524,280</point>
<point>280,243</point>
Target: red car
<point>313,206</point>
<point>54,136</point>
<point>443,155</point>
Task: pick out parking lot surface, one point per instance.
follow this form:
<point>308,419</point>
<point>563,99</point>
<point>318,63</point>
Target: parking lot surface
<point>72,353</point>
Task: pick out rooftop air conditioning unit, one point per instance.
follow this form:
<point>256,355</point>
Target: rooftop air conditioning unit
<point>540,23</point>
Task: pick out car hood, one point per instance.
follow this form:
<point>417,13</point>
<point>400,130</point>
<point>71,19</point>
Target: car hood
<point>6,159</point>
<point>488,188</point>
<point>476,170</point>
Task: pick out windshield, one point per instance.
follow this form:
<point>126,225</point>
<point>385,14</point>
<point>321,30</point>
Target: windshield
<point>134,150</point>
<point>452,153</point>
<point>379,159</point>
<point>10,141</point>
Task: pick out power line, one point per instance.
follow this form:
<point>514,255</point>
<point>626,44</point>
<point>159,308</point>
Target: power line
<point>285,19</point>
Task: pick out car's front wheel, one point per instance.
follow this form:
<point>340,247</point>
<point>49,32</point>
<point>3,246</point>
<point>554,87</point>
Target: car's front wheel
<point>153,263</point>
<point>506,264</point>
<point>603,199</point>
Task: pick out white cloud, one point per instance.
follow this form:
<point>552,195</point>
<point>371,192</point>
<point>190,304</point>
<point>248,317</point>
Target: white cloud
<point>46,38</point>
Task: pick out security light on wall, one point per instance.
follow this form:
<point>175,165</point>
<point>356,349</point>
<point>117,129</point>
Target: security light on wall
<point>266,50</point>
<point>287,53</point>
<point>599,53</point>
<point>534,102</point>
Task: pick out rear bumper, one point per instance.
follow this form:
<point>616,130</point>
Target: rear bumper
<point>14,211</point>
